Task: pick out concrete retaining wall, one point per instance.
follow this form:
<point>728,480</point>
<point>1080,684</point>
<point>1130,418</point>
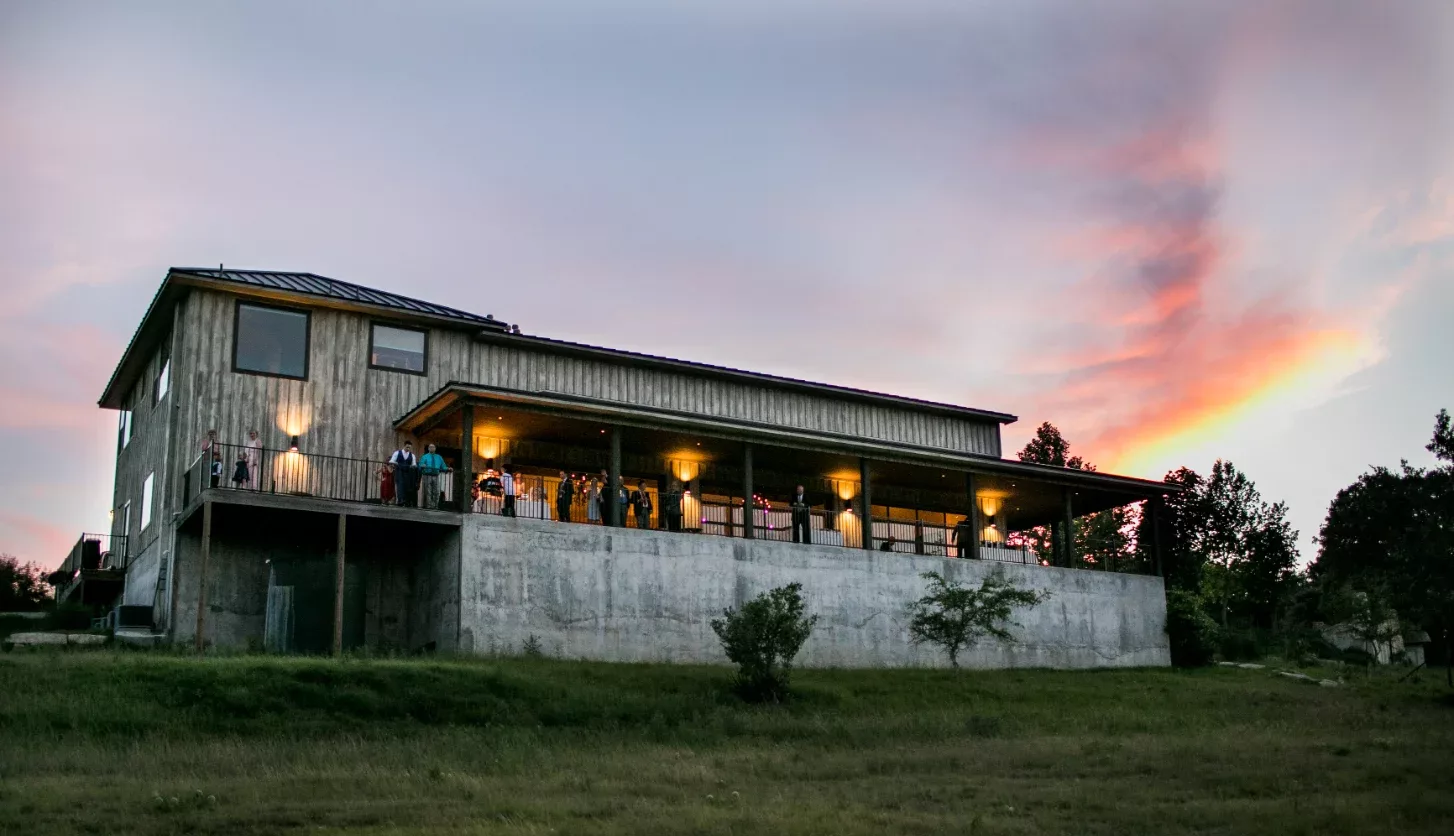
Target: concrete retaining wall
<point>627,595</point>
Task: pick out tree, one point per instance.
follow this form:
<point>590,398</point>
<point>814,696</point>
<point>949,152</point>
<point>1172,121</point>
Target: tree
<point>1391,533</point>
<point>1181,519</point>
<point>762,639</point>
<point>22,586</point>
<point>955,617</point>
<point>1049,447</point>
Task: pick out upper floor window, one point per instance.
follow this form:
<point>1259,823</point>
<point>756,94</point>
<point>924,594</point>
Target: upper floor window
<point>123,429</point>
<point>145,502</point>
<point>399,349</point>
<point>270,341</point>
<point>164,381</point>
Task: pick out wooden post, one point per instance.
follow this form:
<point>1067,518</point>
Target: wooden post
<point>1156,533</point>
<point>749,529</point>
<point>974,521</point>
<point>338,587</point>
<point>1068,537</point>
<point>202,576</point>
<point>865,503</point>
<point>465,474</point>
<point>614,506</point>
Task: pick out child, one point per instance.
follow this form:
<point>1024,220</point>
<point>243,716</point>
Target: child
<point>239,471</point>
<point>386,484</point>
<point>216,470</point>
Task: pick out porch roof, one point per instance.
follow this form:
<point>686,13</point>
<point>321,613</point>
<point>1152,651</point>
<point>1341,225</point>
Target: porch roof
<point>1097,490</point>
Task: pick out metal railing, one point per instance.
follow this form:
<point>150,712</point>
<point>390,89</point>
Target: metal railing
<point>232,467</point>
<point>97,551</point>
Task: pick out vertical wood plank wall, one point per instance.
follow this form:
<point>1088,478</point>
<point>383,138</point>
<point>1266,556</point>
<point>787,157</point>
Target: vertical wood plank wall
<point>347,409</point>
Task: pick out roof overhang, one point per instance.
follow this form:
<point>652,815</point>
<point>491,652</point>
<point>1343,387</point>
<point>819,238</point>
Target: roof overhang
<point>453,396</point>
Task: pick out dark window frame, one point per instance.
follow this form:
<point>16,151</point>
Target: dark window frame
<point>373,327</point>
<point>307,338</point>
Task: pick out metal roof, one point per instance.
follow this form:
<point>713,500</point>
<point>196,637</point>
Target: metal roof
<point>316,285</point>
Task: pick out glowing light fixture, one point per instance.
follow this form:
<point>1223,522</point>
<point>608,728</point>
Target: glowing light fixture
<point>293,445</point>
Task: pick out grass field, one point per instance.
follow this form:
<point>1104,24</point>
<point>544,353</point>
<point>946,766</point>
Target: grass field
<point>89,740</point>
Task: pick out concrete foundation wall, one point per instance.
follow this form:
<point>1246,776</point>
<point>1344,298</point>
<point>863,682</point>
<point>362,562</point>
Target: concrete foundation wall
<point>627,595</point>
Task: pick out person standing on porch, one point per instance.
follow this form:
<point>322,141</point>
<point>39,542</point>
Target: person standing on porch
<point>593,501</point>
<point>802,517</point>
<point>431,464</point>
<point>240,476</point>
<point>964,538</point>
<point>209,441</point>
<point>641,504</point>
<point>253,447</point>
<point>386,484</point>
<point>507,485</point>
<point>671,506</point>
<point>565,492</point>
<point>405,471</point>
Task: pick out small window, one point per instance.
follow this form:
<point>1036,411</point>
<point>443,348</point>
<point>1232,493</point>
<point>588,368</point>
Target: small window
<point>164,381</point>
<point>123,429</point>
<point>146,501</point>
<point>270,341</point>
<point>126,519</point>
<point>399,349</point>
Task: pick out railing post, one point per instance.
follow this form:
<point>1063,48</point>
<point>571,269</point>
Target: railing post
<point>466,472</point>
<point>615,479</point>
<point>749,508</point>
<point>974,525</point>
<point>1068,539</point>
<point>865,502</point>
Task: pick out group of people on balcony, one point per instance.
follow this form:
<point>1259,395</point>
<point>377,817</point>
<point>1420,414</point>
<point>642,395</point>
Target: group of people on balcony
<point>245,469</point>
<point>405,477</point>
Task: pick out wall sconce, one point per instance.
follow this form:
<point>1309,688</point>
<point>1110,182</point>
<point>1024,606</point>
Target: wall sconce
<point>293,445</point>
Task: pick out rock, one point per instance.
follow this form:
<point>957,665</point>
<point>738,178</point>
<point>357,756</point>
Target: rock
<point>1328,683</point>
<point>1226,664</point>
<point>1248,666</point>
<point>39,639</point>
<point>1298,676</point>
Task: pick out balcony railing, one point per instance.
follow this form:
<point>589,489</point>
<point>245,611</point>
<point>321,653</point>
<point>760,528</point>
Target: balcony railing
<point>96,551</point>
<point>232,467</point>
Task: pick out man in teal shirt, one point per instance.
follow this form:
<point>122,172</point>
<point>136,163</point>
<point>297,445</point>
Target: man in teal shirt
<point>431,464</point>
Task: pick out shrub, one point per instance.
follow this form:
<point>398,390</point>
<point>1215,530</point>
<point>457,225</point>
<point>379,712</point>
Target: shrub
<point>762,638</point>
<point>955,617</point>
<point>1193,634</point>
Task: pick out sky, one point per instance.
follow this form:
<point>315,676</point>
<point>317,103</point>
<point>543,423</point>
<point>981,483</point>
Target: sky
<point>1178,231</point>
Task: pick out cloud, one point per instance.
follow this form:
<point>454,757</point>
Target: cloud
<point>33,539</point>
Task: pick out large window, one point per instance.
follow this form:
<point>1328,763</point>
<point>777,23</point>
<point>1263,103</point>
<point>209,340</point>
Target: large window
<point>123,430</point>
<point>400,349</point>
<point>270,341</point>
<point>145,501</point>
<point>164,381</point>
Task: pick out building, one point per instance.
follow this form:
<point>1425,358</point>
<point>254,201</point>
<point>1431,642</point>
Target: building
<point>305,553</point>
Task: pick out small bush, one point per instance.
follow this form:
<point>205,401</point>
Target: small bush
<point>1193,634</point>
<point>531,648</point>
<point>762,638</point>
<point>954,616</point>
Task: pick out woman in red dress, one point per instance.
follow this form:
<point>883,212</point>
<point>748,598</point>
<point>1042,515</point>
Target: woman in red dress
<point>386,483</point>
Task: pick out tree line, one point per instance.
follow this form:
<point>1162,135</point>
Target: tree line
<point>1231,559</point>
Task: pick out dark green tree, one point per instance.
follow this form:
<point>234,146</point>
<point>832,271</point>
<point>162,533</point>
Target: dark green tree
<point>22,586</point>
<point>1181,519</point>
<point>1049,447</point>
<point>955,616</point>
<point>763,637</point>
<point>1391,534</point>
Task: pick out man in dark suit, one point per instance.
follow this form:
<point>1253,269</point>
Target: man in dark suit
<point>802,517</point>
<point>565,492</point>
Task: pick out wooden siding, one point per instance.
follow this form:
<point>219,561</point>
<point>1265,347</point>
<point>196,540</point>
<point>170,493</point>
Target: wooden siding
<point>143,455</point>
<point>347,409</point>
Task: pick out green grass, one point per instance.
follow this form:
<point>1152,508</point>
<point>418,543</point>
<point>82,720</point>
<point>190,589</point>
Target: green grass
<point>89,739</point>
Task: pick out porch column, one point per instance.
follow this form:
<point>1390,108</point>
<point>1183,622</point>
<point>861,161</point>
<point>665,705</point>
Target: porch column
<point>202,576</point>
<point>865,505</point>
<point>974,521</point>
<point>338,586</point>
<point>465,473</point>
<point>749,530</point>
<point>614,506</point>
<point>1155,509</point>
<point>1068,537</point>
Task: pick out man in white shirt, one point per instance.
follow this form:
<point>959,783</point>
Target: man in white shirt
<point>507,481</point>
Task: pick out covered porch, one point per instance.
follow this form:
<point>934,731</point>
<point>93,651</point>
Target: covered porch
<point>916,500</point>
